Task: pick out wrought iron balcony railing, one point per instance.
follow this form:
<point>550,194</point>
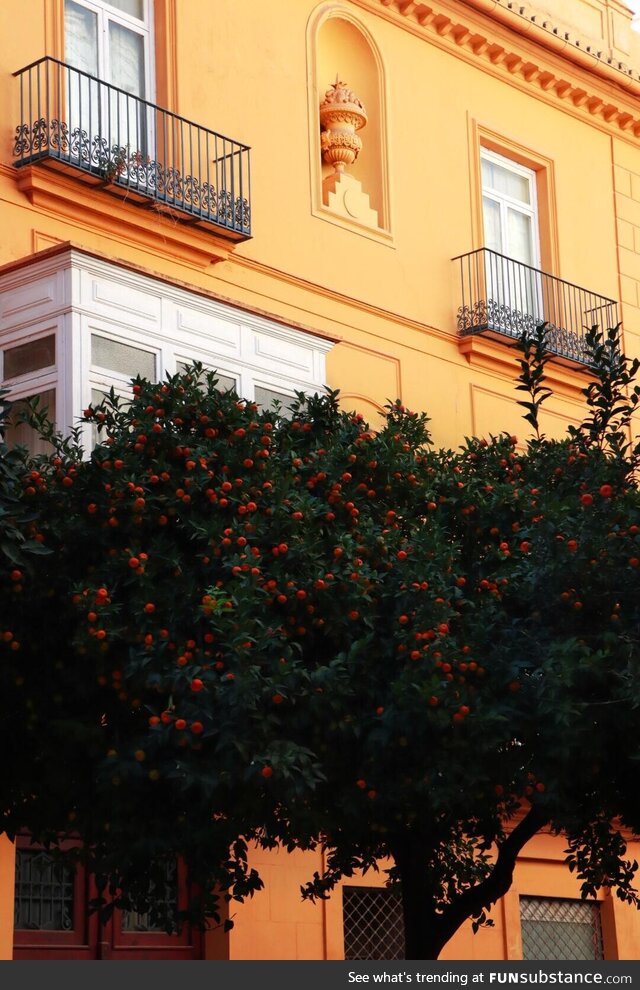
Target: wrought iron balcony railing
<point>148,155</point>
<point>507,297</point>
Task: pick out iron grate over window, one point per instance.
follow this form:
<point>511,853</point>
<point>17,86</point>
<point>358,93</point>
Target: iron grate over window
<point>559,929</point>
<point>373,923</point>
<point>163,890</point>
<point>44,892</point>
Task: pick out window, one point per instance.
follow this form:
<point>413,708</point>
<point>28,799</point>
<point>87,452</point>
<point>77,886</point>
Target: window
<point>559,929</point>
<point>509,208</point>
<point>269,398</point>
<point>511,234</point>
<point>120,324</point>
<point>225,383</point>
<point>44,897</point>
<point>110,42</point>
<point>29,372</point>
<point>53,919</point>
<point>373,923</point>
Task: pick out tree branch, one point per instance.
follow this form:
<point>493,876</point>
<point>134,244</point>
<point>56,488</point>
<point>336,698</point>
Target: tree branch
<point>488,891</point>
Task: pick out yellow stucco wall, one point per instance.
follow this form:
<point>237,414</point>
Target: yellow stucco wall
<point>446,82</point>
<point>277,924</point>
<point>7,869</point>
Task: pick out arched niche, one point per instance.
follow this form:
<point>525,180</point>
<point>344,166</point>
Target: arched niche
<point>340,46</point>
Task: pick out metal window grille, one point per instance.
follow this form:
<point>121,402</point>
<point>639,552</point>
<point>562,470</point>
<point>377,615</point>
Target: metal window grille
<point>163,892</point>
<point>373,923</point>
<point>558,929</point>
<point>44,892</point>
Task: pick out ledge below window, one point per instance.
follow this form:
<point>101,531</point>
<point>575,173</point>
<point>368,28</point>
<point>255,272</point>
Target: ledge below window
<point>151,229</point>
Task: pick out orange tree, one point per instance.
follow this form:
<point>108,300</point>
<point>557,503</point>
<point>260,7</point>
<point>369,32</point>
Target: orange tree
<point>301,631</point>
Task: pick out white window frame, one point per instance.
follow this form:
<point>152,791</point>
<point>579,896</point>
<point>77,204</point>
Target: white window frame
<point>32,383</point>
<point>30,379</point>
<point>513,289</point>
<point>106,13</point>
<point>506,202</point>
<point>108,115</point>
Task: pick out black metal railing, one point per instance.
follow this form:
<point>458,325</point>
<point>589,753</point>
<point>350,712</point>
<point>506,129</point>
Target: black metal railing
<point>507,297</point>
<point>76,121</point>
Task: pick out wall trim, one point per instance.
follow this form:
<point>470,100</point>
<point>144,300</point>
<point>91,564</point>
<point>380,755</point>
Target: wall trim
<point>528,53</point>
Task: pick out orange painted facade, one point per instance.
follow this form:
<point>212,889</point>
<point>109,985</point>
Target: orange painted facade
<point>505,129</point>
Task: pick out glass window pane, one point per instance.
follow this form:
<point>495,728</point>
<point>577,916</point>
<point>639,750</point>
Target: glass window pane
<point>492,230</point>
<point>266,397</point>
<point>559,929</point>
<point>373,925</point>
<point>126,59</point>
<point>225,382</point>
<point>520,236</point>
<point>97,397</point>
<point>502,179</point>
<point>80,37</point>
<point>133,7</point>
<point>122,358</point>
<point>33,356</point>
<point>23,435</point>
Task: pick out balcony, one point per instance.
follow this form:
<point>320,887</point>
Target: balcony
<point>74,122</point>
<point>504,298</point>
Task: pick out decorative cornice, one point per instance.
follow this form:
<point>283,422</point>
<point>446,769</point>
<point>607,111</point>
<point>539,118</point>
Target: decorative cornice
<point>532,18</point>
<point>514,40</point>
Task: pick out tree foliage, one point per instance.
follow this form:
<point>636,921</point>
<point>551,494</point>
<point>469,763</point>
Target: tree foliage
<point>307,631</point>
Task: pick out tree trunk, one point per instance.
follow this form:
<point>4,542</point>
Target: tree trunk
<point>427,931</point>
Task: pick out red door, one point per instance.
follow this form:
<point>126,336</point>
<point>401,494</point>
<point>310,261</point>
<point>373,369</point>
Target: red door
<point>52,919</point>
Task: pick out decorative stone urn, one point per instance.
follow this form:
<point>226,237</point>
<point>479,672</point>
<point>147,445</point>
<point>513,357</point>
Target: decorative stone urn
<point>341,115</point>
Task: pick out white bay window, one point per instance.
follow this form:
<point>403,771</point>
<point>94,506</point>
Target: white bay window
<point>72,327</point>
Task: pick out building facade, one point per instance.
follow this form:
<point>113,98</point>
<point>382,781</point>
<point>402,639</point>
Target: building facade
<point>376,195</point>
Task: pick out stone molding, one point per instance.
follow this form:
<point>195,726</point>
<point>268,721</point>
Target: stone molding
<point>562,67</point>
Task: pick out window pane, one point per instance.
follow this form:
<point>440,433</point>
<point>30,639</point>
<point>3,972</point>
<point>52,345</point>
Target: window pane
<point>33,356</point>
<point>520,236</point>
<point>23,435</point>
<point>492,231</point>
<point>559,929</point>
<point>126,56</point>
<point>501,179</point>
<point>164,892</point>
<point>80,37</point>
<point>133,7</point>
<point>122,358</point>
<point>225,382</point>
<point>265,397</point>
<point>44,892</point>
<point>373,923</point>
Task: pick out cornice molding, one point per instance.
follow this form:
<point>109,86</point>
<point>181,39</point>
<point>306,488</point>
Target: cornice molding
<point>514,41</point>
<point>529,18</point>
